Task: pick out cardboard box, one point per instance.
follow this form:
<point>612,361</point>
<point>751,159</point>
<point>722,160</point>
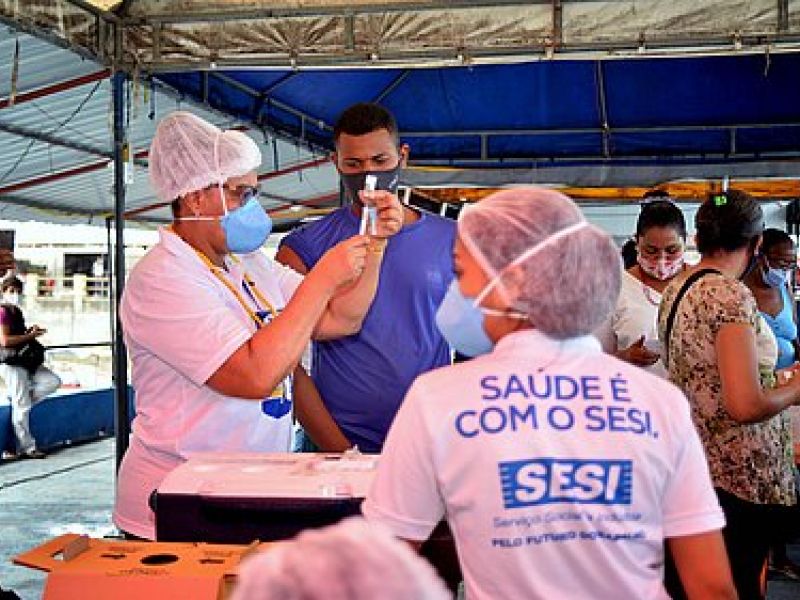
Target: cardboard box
<point>90,569</point>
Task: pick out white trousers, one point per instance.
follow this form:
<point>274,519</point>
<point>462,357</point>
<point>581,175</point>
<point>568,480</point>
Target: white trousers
<point>24,390</point>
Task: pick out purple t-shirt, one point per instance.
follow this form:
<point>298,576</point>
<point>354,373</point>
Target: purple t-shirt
<point>363,378</point>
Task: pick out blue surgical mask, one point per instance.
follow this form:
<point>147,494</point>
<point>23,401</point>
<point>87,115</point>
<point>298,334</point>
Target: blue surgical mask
<point>246,228</point>
<point>460,320</point>
<point>11,298</point>
<point>775,278</point>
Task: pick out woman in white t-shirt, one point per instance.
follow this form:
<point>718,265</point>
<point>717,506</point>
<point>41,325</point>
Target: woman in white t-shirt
<point>214,328</point>
<point>560,469</point>
<point>632,333</point>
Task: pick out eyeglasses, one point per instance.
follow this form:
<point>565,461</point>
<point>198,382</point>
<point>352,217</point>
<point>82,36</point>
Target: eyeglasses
<point>244,193</point>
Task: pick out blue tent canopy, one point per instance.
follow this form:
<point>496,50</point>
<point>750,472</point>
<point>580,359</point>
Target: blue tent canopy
<point>688,110</point>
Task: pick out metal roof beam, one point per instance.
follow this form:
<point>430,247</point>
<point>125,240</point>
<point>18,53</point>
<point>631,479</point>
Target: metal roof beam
<point>64,209</point>
<point>55,88</point>
<point>392,86</point>
<point>602,108</point>
<point>503,54</point>
<point>333,9</point>
<point>573,130</point>
<point>123,9</point>
<point>47,138</point>
<point>94,10</point>
<point>48,36</point>
<point>60,175</point>
<point>283,106</point>
<point>179,95</point>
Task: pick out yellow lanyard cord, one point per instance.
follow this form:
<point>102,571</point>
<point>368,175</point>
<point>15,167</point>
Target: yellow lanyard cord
<point>251,285</point>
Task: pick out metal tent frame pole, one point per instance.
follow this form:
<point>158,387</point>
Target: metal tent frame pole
<point>121,413</point>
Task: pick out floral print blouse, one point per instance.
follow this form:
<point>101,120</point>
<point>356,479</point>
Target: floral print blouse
<point>753,461</point>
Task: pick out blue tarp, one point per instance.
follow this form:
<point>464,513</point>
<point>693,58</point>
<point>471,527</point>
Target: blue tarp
<point>689,109</point>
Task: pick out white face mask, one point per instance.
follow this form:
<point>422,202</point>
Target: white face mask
<point>11,298</point>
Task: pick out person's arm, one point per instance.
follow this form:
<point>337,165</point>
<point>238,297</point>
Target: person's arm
<point>703,567</point>
<point>638,354</point>
<point>345,313</point>
<point>742,395</point>
<point>12,341</point>
<point>314,417</point>
<point>347,308</point>
<point>405,496</point>
<point>259,365</point>
<point>309,407</point>
<point>287,256</point>
<point>796,340</point>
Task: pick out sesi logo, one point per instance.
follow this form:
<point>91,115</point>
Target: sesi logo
<point>571,481</point>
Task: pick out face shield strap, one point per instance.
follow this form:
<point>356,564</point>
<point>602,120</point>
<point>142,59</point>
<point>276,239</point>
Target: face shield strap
<point>530,252</point>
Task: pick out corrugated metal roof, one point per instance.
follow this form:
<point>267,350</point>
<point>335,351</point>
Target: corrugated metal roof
<point>82,115</point>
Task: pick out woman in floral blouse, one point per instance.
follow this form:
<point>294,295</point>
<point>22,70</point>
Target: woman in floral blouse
<point>739,411</point>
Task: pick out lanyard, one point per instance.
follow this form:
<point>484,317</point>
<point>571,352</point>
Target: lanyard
<point>251,288</point>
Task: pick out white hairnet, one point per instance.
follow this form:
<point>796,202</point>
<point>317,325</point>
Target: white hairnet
<point>189,153</point>
<point>352,560</point>
<point>569,284</point>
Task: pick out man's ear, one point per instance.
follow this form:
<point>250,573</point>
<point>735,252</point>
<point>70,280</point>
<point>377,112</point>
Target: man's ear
<point>334,159</point>
<point>405,152</point>
<point>191,203</point>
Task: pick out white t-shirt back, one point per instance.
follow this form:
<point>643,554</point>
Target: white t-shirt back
<point>181,323</point>
<point>559,468</point>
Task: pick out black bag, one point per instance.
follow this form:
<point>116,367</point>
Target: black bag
<point>29,355</point>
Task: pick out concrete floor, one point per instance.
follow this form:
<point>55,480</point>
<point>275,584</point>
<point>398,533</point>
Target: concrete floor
<point>73,491</point>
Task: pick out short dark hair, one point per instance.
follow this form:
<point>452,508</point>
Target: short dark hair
<point>363,118</point>
<point>728,221</point>
<point>660,213</point>
<point>774,237</point>
<point>11,283</point>
<point>629,254</point>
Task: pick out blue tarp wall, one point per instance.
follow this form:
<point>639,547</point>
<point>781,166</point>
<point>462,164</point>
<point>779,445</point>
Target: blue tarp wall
<point>683,110</point>
<point>66,418</point>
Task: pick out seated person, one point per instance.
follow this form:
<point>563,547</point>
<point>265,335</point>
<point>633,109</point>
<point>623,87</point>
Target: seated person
<point>559,468</point>
<point>348,561</point>
<point>24,387</point>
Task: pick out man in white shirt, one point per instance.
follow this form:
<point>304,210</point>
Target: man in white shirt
<point>214,328</point>
<point>561,470</point>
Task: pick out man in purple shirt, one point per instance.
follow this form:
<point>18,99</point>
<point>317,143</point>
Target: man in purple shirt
<point>359,381</point>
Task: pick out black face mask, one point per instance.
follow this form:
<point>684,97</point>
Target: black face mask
<point>354,182</point>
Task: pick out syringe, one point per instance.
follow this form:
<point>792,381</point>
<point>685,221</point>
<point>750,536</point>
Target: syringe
<point>369,214</point>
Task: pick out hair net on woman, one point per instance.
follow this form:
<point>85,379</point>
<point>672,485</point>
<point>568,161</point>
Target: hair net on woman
<point>566,277</point>
<point>352,560</point>
<point>189,153</point>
